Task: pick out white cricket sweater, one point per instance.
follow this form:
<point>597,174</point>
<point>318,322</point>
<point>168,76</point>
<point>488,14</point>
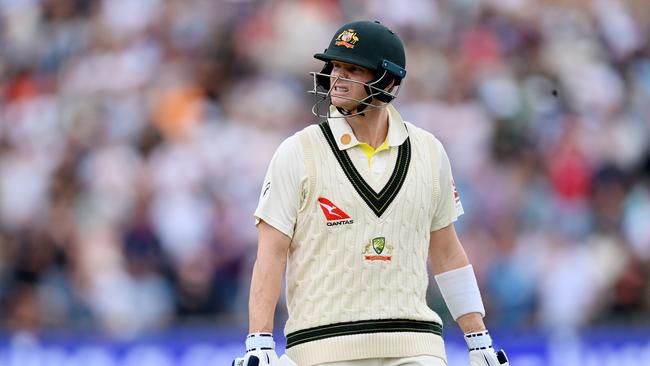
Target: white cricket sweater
<point>357,264</point>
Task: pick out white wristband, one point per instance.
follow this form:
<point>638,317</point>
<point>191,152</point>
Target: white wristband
<point>478,340</point>
<point>260,341</point>
<point>460,291</point>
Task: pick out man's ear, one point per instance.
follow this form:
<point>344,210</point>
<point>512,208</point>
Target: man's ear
<point>386,96</point>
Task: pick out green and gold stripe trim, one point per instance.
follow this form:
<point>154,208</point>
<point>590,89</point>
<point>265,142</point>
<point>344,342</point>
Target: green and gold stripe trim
<point>363,327</point>
<point>378,202</point>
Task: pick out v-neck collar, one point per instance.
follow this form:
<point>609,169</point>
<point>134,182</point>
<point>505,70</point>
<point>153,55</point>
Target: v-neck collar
<point>377,202</point>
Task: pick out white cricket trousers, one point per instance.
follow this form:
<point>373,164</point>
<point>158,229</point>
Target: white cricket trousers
<point>407,361</point>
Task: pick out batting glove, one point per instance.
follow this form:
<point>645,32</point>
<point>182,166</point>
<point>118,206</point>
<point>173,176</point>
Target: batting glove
<point>260,351</point>
<point>481,352</point>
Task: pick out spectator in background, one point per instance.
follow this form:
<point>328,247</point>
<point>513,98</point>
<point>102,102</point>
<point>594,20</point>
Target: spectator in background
<point>134,136</point>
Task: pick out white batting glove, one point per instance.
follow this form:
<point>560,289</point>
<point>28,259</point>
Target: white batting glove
<point>260,351</point>
<point>481,352</point>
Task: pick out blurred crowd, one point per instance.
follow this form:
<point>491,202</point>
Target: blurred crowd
<point>134,137</point>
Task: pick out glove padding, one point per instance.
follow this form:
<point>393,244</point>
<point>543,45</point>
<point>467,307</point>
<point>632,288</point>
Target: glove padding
<point>257,358</point>
<point>260,351</point>
<point>254,360</point>
<point>487,357</point>
<point>481,352</point>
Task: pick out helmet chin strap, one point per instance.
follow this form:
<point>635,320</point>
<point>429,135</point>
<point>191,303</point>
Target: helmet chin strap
<point>355,112</point>
<point>359,109</point>
<point>381,83</point>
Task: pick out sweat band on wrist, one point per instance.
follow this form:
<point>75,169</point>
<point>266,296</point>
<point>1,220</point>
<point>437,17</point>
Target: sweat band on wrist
<point>259,341</point>
<point>478,340</point>
<point>460,291</point>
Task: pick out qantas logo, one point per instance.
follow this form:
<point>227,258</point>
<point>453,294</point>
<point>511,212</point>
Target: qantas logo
<point>331,211</point>
<point>334,215</point>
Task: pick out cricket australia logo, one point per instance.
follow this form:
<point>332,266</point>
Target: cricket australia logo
<point>378,245</point>
<point>347,38</point>
<point>334,215</point>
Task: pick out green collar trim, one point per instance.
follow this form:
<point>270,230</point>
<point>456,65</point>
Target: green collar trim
<point>378,202</point>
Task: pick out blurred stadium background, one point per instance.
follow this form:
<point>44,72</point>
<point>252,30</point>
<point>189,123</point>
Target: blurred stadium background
<point>134,136</point>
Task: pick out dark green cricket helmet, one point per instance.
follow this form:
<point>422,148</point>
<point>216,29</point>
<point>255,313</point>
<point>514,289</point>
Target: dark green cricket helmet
<point>368,44</point>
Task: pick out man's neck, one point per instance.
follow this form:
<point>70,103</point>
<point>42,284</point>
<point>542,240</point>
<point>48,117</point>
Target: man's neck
<point>371,127</point>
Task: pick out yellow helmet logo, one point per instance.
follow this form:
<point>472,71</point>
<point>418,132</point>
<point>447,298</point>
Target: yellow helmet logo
<point>347,38</point>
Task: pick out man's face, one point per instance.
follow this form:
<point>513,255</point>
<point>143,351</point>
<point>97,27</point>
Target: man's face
<point>347,89</point>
